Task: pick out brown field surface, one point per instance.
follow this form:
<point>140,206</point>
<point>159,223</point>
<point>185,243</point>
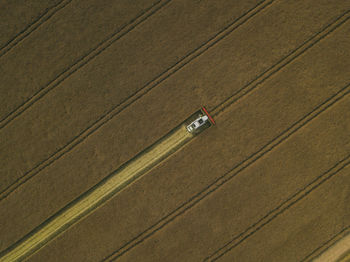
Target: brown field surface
<point>88,85</point>
<point>18,18</point>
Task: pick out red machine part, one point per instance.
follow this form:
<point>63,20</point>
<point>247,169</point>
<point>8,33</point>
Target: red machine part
<point>210,118</point>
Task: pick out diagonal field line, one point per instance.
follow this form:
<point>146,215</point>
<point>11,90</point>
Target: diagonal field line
<point>100,48</point>
<point>336,248</point>
<point>48,13</point>
<point>97,195</point>
<point>280,64</point>
<point>229,175</point>
<point>134,97</point>
<point>192,201</point>
<point>91,54</point>
<point>313,255</point>
<point>299,195</point>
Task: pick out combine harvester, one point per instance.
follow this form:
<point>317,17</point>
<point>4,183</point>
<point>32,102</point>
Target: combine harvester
<point>202,121</point>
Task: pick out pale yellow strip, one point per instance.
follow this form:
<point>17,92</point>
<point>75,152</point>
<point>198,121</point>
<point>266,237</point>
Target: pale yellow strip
<point>134,169</point>
<point>336,252</point>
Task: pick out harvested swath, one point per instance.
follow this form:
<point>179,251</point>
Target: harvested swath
<point>98,195</point>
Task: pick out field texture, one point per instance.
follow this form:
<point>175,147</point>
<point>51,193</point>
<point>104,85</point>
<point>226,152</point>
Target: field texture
<point>87,86</point>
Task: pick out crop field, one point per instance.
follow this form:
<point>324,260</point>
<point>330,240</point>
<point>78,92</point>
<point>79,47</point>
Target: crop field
<point>97,165</point>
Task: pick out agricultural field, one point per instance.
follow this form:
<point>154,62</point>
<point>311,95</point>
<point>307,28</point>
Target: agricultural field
<point>97,165</point>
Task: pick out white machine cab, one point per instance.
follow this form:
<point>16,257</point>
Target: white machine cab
<point>196,124</point>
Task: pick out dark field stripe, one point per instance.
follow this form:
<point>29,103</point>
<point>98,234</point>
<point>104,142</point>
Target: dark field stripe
<point>131,99</point>
<point>83,60</point>
<point>302,193</point>
<point>48,13</point>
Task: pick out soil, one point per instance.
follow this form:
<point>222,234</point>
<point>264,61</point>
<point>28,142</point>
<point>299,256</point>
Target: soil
<point>281,129</point>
